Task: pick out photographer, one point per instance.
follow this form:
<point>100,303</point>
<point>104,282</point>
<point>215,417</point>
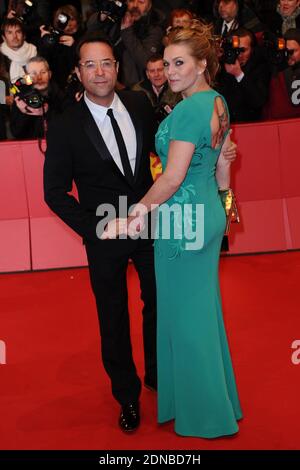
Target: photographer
<point>29,122</point>
<point>15,49</point>
<point>284,17</point>
<point>136,35</point>
<point>30,13</point>
<point>284,97</point>
<point>57,44</point>
<point>244,78</point>
<point>142,31</point>
<point>233,14</point>
<point>156,87</point>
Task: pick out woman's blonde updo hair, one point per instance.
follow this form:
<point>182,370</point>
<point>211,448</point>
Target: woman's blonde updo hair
<point>199,38</point>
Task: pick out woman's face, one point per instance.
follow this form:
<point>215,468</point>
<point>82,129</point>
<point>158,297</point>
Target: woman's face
<point>183,71</point>
<point>72,26</point>
<point>287,7</point>
<point>183,21</point>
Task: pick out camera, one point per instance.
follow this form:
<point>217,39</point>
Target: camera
<point>231,49</point>
<point>276,51</point>
<point>55,33</point>
<point>162,111</point>
<point>74,85</point>
<point>24,13</point>
<point>24,89</point>
<point>114,9</point>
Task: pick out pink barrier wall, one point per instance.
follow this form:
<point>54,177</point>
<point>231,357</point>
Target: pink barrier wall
<point>265,178</point>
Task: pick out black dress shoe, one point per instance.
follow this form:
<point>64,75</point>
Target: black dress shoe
<point>129,419</point>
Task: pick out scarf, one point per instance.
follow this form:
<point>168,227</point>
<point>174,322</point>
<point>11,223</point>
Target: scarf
<point>18,59</point>
<point>288,22</point>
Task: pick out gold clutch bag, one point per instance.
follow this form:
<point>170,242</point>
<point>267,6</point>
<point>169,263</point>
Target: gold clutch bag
<point>229,203</point>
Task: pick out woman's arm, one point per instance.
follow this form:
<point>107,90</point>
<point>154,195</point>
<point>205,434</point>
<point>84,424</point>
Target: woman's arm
<point>179,158</point>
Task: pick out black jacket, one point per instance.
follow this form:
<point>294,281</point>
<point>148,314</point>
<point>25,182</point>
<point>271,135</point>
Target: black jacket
<point>24,126</point>
<point>246,98</point>
<point>138,43</point>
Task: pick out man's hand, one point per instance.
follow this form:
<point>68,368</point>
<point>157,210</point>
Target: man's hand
<point>43,30</point>
<point>66,40</point>
<point>127,21</point>
<point>234,69</point>
<point>11,14</point>
<point>135,225</point>
<point>78,95</point>
<point>114,229</point>
<point>25,109</point>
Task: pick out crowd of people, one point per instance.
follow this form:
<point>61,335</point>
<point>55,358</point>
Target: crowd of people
<point>259,55</point>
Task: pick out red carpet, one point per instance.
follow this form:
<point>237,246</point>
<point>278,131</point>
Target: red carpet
<point>54,393</point>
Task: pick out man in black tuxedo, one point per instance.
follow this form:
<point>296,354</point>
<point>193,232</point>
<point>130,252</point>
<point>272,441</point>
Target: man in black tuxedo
<point>84,146</point>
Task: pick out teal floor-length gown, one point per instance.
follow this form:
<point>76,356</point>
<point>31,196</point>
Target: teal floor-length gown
<point>196,384</point>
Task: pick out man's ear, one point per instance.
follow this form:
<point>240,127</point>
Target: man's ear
<point>50,74</point>
<point>77,73</point>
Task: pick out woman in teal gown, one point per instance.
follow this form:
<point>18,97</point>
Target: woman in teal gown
<point>196,384</point>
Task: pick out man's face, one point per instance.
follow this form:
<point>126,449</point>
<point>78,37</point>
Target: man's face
<point>287,7</point>
<point>14,37</point>
<point>245,56</point>
<point>40,75</point>
<point>155,73</point>
<point>183,21</point>
<point>292,45</point>
<point>228,10</point>
<point>98,72</point>
<point>138,8</point>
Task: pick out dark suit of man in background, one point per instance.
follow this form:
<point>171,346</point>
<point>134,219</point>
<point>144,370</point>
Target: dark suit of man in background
<point>83,147</point>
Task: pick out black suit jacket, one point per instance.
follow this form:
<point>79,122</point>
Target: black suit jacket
<point>77,152</point>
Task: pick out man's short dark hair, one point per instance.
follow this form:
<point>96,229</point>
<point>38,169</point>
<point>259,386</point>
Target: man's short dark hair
<point>91,38</point>
<point>293,34</point>
<point>9,22</point>
<point>154,58</point>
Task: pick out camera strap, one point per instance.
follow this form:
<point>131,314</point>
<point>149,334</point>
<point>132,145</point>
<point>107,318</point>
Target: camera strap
<point>42,143</point>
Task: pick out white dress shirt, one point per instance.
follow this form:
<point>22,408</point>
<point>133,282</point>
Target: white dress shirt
<point>229,26</point>
<point>126,126</point>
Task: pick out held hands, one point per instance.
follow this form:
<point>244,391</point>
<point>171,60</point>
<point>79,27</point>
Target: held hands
<point>114,229</point>
<point>130,227</point>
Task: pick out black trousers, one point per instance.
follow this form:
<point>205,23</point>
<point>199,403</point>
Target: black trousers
<point>108,262</point>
